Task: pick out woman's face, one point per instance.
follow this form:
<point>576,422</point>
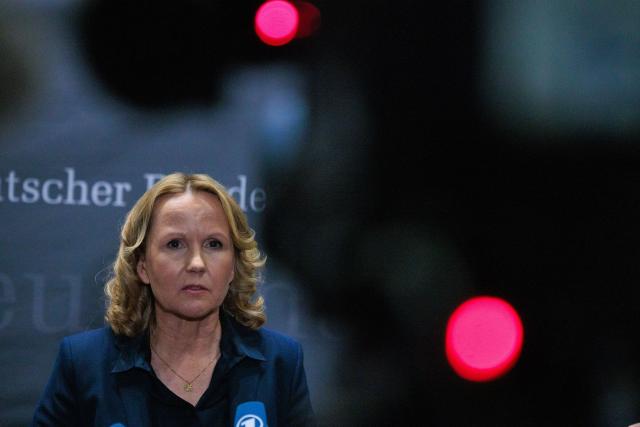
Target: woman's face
<point>189,256</point>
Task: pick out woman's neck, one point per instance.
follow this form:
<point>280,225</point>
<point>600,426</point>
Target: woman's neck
<point>176,337</point>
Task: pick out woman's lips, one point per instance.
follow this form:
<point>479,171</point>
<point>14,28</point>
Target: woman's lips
<point>194,288</point>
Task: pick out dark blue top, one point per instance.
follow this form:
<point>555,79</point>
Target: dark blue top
<point>101,379</point>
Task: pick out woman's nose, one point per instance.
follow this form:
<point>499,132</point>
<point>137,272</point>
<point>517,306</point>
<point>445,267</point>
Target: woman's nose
<point>196,263</point>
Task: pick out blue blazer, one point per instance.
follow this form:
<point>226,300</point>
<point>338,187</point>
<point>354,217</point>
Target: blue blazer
<point>95,381</point>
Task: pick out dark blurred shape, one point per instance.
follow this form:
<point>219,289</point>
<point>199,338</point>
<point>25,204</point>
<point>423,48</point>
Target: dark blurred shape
<point>552,230</point>
<point>551,68</point>
<point>157,54</point>
<point>14,74</point>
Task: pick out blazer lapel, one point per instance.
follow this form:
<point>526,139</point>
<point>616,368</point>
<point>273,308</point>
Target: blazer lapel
<point>247,364</point>
<point>244,384</point>
<point>130,371</point>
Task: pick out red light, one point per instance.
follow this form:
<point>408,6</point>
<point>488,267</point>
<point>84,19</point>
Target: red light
<point>484,338</point>
<point>276,22</point>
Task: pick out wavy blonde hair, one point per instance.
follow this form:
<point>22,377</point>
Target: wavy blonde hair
<point>131,305</point>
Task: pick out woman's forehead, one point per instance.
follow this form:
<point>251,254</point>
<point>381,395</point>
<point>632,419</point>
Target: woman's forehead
<point>173,208</point>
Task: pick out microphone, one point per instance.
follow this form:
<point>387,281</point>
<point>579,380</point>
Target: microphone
<point>250,414</point>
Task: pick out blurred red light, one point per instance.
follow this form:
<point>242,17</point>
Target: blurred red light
<point>276,22</point>
<point>309,19</point>
<point>483,339</point>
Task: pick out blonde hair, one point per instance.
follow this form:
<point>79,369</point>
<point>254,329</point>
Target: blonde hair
<point>130,302</point>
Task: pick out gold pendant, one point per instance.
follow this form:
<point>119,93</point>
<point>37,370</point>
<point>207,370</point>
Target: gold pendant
<point>188,387</point>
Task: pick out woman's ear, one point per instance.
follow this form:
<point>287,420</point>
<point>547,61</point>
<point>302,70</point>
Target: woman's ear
<point>141,268</point>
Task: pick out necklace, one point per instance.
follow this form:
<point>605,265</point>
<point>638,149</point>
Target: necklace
<point>188,385</point>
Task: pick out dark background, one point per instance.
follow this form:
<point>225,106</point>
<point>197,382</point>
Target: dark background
<point>542,213</point>
<point>430,171</point>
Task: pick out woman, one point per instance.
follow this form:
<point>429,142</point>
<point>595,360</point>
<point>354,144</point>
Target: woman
<point>183,345</point>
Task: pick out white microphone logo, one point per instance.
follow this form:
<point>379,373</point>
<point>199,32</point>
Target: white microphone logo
<point>250,420</point>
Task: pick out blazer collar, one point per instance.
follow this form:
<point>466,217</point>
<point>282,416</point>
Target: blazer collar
<point>133,353</point>
<point>242,341</point>
<point>238,340</point>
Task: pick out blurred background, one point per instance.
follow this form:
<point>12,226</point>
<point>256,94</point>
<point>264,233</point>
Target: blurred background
<point>395,160</point>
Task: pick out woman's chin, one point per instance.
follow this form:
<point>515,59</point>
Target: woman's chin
<point>193,312</point>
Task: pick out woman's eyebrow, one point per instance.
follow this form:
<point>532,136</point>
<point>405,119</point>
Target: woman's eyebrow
<point>209,233</point>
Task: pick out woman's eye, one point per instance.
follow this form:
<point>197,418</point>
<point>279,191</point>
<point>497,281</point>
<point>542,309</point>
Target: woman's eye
<point>214,244</point>
<point>174,244</point>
